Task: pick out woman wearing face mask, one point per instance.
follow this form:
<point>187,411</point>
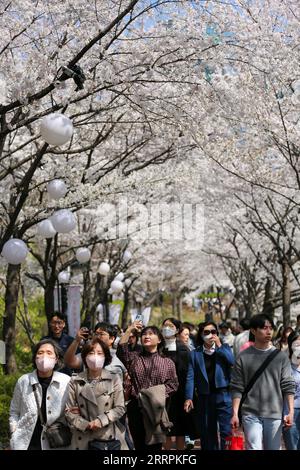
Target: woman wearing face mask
<point>209,375</point>
<point>291,435</point>
<point>179,353</point>
<point>51,390</point>
<point>96,400</point>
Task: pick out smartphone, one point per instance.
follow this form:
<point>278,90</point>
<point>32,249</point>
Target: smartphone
<point>85,332</point>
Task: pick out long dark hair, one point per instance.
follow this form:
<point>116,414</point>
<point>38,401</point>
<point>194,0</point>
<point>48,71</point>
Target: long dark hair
<point>176,323</point>
<point>157,332</point>
<point>283,336</point>
<point>292,337</point>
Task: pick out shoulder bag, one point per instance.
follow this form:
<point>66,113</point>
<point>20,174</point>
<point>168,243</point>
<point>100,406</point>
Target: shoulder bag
<point>58,434</point>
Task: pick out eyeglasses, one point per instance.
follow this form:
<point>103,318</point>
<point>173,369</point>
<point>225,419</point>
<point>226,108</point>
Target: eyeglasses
<point>57,322</point>
<point>208,332</point>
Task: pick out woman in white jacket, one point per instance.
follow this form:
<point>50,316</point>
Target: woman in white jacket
<point>51,388</point>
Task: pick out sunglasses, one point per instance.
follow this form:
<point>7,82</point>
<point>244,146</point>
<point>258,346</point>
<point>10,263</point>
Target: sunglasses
<point>208,332</point>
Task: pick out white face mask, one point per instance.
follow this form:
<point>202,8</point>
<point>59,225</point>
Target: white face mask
<point>206,338</point>
<point>168,332</point>
<point>45,364</point>
<point>95,362</point>
<point>296,354</point>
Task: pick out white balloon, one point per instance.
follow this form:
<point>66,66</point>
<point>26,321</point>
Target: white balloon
<point>57,189</point>
<point>127,282</point>
<point>83,255</point>
<point>63,277</point>
<point>63,221</point>
<point>56,129</point>
<point>104,269</point>
<point>109,291</point>
<point>127,256</point>
<point>120,277</point>
<point>14,251</point>
<point>46,229</point>
<point>116,286</point>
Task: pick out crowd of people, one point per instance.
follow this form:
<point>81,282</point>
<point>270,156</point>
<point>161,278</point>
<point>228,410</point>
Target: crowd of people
<point>151,388</point>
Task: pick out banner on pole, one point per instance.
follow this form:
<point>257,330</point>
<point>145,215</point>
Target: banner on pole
<point>57,303</point>
<point>114,313</point>
<point>133,314</point>
<point>100,313</point>
<point>73,312</point>
<point>145,314</point>
<point>2,352</point>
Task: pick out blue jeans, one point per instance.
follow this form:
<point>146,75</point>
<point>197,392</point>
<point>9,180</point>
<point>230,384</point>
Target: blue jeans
<point>262,433</point>
<point>291,436</point>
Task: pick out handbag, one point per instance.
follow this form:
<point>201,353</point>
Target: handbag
<point>235,442</point>
<point>99,444</point>
<point>254,378</point>
<point>57,434</point>
<point>102,444</point>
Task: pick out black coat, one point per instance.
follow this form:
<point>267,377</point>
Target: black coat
<point>175,406</point>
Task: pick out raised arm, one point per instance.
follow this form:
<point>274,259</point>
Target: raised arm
<point>70,357</point>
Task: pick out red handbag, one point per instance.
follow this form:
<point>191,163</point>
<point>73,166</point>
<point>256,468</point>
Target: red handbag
<point>235,442</point>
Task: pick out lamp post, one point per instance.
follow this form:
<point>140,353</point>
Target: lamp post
<point>104,270</point>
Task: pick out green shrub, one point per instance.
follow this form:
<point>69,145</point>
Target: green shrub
<point>7,385</point>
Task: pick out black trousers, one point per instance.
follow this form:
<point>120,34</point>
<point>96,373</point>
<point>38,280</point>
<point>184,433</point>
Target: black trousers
<point>137,430</point>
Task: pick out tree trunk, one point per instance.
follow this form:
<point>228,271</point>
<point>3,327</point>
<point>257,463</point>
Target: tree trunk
<point>49,298</point>
<point>286,294</point>
<point>268,306</point>
<point>179,307</point>
<point>87,294</point>
<point>9,319</point>
<point>125,310</point>
<point>173,304</point>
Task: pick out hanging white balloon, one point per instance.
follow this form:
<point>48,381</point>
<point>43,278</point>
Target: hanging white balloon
<point>63,221</point>
<point>104,269</point>
<point>63,277</point>
<point>127,282</point>
<point>14,251</point>
<point>83,255</point>
<point>57,189</point>
<point>127,256</point>
<point>56,129</point>
<point>120,277</point>
<point>116,286</point>
<point>45,229</point>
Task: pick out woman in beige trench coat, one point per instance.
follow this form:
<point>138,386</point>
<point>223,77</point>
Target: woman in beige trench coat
<point>96,400</point>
